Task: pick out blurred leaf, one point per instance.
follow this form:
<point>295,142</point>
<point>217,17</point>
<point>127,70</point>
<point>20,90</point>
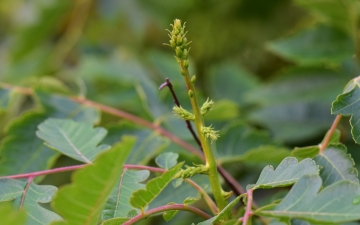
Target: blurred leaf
<point>118,204</point>
<point>63,107</point>
<point>305,152</point>
<point>230,81</point>
<point>237,139</point>
<point>33,36</point>
<point>335,165</point>
<point>22,151</point>
<point>97,180</point>
<point>339,13</point>
<point>304,201</point>
<point>115,221</point>
<point>288,172</point>
<point>141,198</point>
<point>259,155</point>
<point>315,46</point>
<point>347,104</point>
<point>38,215</point>
<point>223,110</point>
<point>78,140</point>
<point>221,214</point>
<point>167,160</point>
<point>10,216</point>
<point>300,84</point>
<point>4,98</point>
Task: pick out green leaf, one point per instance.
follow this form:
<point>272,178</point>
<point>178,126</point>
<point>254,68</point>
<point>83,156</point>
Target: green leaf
<point>339,13</point>
<point>118,204</point>
<point>141,198</point>
<point>230,81</point>
<point>259,155</point>
<point>335,165</point>
<point>288,172</point>
<point>168,215</point>
<point>10,189</point>
<point>10,216</point>
<point>315,46</point>
<point>38,215</point>
<point>294,104</point>
<point>347,104</point>
<point>91,187</point>
<point>74,139</point>
<point>63,107</point>
<point>148,145</point>
<point>333,204</point>
<point>221,214</point>
<point>21,150</point>
<point>240,134</point>
<point>115,221</point>
<point>305,152</point>
<point>167,160</point>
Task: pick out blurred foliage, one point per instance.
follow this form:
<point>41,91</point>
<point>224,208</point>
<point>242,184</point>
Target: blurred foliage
<point>273,69</point>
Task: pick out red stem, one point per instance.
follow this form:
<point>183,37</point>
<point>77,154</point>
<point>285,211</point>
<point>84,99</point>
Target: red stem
<point>165,208</point>
<point>327,138</point>
<point>69,168</point>
<point>30,179</point>
<point>248,212</point>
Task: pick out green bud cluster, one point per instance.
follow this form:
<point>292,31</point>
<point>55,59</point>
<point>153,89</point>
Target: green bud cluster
<point>206,107</point>
<point>183,113</point>
<point>179,43</point>
<point>192,171</point>
<point>209,132</point>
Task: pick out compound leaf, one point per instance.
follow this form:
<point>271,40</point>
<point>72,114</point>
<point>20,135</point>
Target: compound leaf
<point>288,172</point>
<point>336,165</point>
<point>118,204</point>
<point>91,187</point>
<point>77,140</point>
<point>143,197</point>
<point>336,203</point>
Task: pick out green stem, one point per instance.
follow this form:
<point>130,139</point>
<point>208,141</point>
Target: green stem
<point>210,160</point>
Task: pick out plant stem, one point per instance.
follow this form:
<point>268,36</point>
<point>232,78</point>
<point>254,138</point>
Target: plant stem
<point>248,212</point>
<point>32,175</point>
<point>210,160</point>
<point>177,103</point>
<point>69,168</point>
<point>327,138</point>
<point>30,179</point>
<point>122,114</point>
<point>165,208</point>
<point>206,197</point>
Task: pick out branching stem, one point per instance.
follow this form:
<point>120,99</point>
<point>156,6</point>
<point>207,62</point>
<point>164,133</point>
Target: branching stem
<point>122,114</point>
<point>210,160</point>
<point>327,138</point>
<point>165,208</point>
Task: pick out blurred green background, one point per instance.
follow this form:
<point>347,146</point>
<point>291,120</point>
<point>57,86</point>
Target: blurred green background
<point>273,68</point>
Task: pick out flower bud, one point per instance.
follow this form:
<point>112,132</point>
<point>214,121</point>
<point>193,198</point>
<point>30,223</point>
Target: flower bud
<point>193,79</point>
<point>179,40</point>
<point>179,52</point>
<point>186,63</point>
<point>186,53</point>
<point>177,24</point>
<point>172,43</point>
